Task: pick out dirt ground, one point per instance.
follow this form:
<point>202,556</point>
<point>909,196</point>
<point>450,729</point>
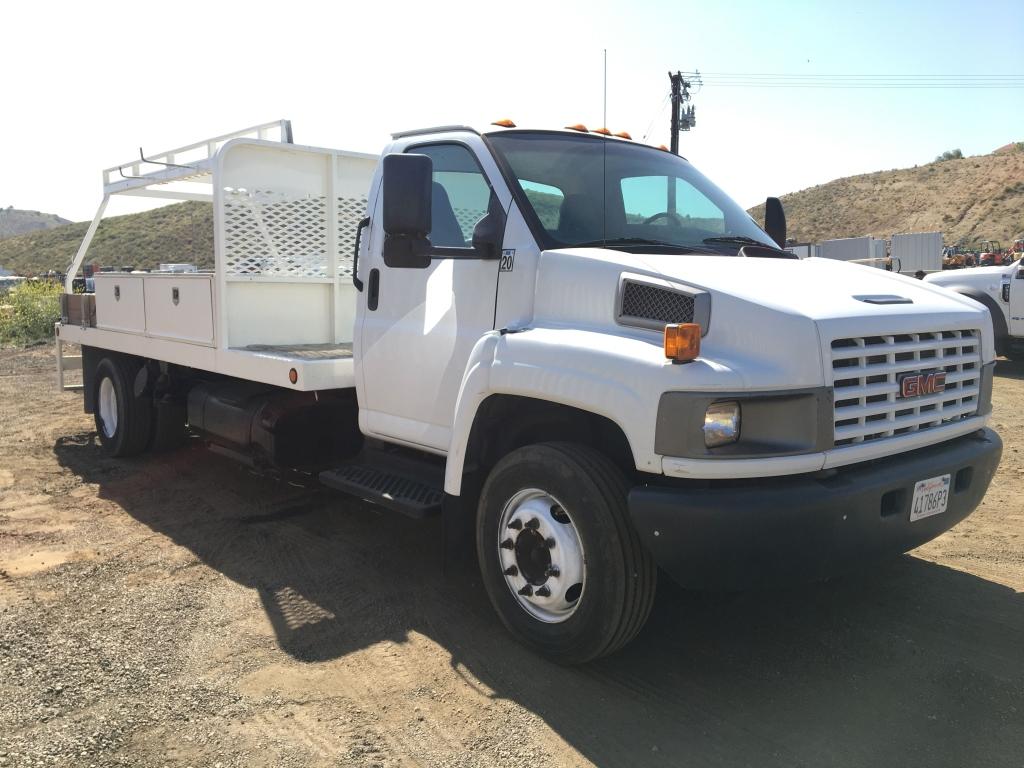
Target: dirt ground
<point>180,611</point>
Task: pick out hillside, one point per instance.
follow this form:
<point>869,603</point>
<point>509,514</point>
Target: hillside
<point>182,232</point>
<point>966,199</point>
<point>14,222</point>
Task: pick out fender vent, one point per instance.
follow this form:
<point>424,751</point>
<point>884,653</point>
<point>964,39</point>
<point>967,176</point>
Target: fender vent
<point>649,302</point>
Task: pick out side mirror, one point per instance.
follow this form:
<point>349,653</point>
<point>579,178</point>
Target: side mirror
<point>775,221</point>
<point>488,231</point>
<point>407,211</point>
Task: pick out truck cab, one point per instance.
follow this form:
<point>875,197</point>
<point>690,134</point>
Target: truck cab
<point>575,348</point>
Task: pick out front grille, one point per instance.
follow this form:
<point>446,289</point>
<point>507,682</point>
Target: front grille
<point>866,371</point>
<point>650,302</point>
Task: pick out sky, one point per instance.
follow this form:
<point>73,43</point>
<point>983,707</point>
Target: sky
<point>85,84</point>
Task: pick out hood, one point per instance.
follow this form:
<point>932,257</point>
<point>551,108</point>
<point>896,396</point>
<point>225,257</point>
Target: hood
<point>760,307</point>
<point>971,275</point>
<point>820,289</point>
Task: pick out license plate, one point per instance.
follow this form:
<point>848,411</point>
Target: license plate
<point>931,497</point>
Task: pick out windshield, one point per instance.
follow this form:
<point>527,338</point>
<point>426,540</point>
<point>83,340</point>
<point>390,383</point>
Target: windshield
<point>589,191</point>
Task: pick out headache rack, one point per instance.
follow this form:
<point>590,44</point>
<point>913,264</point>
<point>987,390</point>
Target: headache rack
<point>278,306</point>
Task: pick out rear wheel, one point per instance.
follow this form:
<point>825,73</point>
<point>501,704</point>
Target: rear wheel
<point>123,421</point>
<point>560,559</point>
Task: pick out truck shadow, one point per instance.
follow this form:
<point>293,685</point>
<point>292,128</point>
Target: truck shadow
<point>1009,369</point>
<point>910,662</point>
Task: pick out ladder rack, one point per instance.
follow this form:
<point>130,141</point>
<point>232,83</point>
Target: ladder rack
<point>191,163</point>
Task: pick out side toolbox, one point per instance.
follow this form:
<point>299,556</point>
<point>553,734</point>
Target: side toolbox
<point>78,309</point>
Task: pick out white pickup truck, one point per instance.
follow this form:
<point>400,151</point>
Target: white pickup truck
<point>1001,290</point>
<point>573,347</point>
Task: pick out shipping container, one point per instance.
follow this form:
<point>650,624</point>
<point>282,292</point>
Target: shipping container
<point>917,252</point>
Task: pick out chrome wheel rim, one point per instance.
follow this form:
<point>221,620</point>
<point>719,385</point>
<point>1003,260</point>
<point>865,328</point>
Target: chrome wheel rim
<point>541,555</point>
<point>108,407</point>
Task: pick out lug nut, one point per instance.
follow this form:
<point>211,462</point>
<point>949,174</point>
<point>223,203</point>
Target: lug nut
<point>550,543</point>
<point>515,525</point>
<point>552,571</point>
<point>533,523</point>
<point>526,591</point>
<point>543,592</point>
<point>511,571</point>
<point>507,544</point>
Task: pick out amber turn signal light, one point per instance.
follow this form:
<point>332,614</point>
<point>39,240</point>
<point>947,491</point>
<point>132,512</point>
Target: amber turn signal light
<point>293,376</point>
<point>682,341</point>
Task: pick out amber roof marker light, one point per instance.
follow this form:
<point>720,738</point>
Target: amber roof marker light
<point>577,127</point>
<point>504,123</point>
<point>602,131</point>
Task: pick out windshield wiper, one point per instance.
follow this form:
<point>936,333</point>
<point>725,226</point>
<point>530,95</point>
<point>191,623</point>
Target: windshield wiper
<point>739,240</point>
<point>612,242</point>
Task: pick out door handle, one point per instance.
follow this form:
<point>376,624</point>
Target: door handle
<point>355,256</point>
<point>374,289</point>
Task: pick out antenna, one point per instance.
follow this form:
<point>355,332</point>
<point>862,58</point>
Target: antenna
<point>604,121</point>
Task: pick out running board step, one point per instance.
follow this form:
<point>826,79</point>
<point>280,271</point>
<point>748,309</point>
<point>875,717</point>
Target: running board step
<point>401,484</point>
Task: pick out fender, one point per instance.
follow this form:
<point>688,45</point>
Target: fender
<point>512,363</point>
<point>999,327</point>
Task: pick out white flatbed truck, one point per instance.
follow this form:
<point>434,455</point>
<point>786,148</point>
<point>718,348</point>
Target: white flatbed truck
<point>1001,291</point>
<point>573,347</point>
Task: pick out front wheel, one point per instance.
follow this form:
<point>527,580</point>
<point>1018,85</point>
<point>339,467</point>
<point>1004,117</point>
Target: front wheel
<point>560,559</point>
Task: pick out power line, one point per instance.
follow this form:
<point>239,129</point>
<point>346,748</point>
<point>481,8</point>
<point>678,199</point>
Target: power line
<point>846,81</point>
<point>650,125</point>
<point>827,75</point>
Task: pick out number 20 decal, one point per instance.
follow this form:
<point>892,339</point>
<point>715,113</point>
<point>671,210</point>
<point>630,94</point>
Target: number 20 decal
<point>508,259</point>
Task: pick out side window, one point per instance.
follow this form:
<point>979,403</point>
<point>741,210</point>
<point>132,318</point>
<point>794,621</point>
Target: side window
<point>460,195</point>
<point>647,200</point>
<point>546,201</point>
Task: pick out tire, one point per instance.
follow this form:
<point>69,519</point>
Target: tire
<point>168,431</point>
<point>563,494</point>
<point>123,421</point>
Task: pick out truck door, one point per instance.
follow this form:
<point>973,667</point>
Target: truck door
<point>418,326</point>
<point>1017,300</point>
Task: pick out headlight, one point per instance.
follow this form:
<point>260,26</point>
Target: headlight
<point>722,424</point>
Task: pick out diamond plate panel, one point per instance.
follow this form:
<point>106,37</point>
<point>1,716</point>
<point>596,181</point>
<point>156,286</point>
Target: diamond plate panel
<point>268,233</point>
<point>649,302</point>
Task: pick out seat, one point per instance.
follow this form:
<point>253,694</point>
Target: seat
<point>445,231</point>
<point>579,219</point>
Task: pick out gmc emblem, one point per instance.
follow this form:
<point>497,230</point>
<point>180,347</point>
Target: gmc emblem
<point>918,384</point>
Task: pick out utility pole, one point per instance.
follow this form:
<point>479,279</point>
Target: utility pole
<point>683,118</point>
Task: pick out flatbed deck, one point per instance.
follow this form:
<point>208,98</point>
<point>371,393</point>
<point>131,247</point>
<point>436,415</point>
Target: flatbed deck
<point>303,351</point>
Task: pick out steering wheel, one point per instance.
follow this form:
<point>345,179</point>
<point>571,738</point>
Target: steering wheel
<point>665,215</point>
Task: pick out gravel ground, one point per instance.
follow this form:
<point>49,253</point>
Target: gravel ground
<point>180,611</point>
